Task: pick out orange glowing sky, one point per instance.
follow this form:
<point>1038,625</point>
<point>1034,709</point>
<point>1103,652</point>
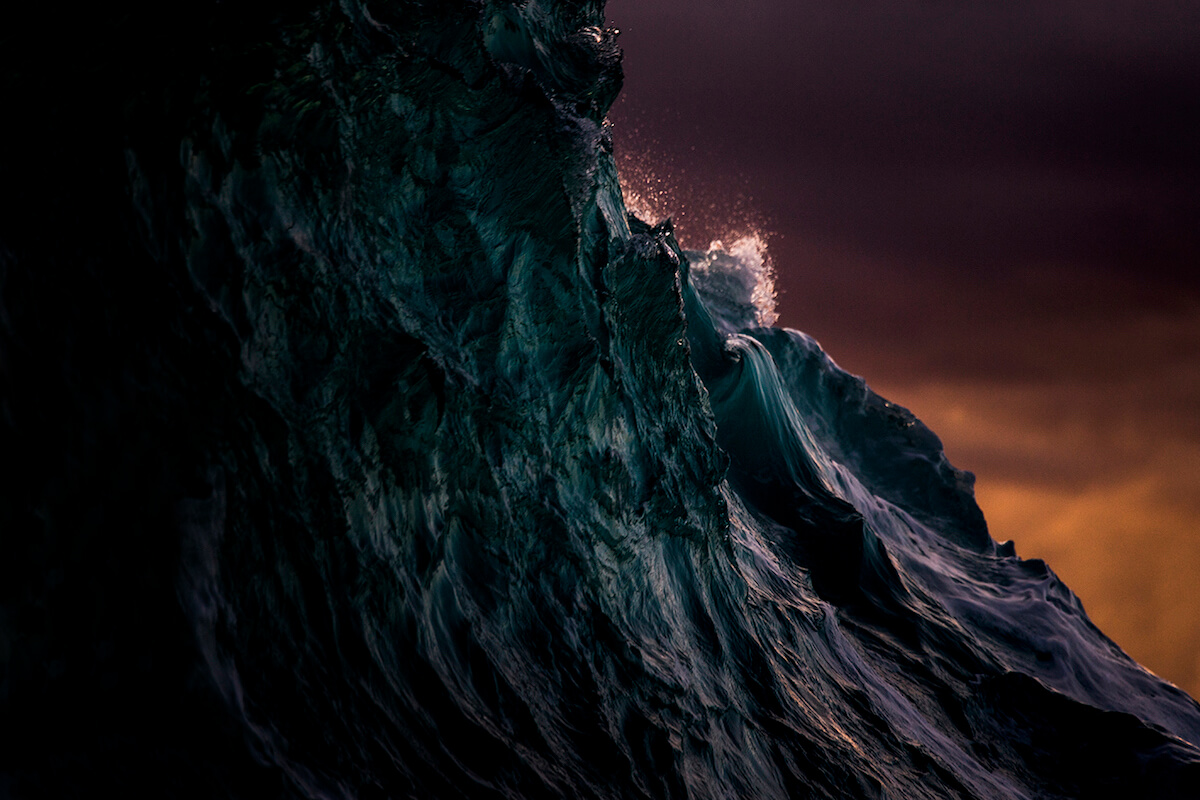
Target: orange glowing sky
<point>992,213</point>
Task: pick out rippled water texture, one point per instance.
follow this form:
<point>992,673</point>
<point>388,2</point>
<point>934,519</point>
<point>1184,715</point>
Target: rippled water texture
<point>481,487</point>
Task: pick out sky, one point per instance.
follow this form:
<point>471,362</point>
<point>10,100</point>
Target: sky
<point>991,212</point>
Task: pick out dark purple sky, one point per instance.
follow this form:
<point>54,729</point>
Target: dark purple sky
<point>991,211</point>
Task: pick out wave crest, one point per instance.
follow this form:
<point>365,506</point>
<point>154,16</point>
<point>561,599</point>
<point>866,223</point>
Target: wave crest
<point>737,283</point>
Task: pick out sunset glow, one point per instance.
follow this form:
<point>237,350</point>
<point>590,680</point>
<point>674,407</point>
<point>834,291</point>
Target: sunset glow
<point>988,214</point>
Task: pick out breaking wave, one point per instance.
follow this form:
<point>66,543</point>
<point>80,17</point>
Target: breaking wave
<point>737,284</point>
<point>466,482</point>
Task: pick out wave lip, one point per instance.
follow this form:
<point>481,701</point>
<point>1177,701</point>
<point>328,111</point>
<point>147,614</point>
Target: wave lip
<point>736,283</point>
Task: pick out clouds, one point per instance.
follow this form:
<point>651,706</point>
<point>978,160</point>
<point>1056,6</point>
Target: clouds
<point>1079,419</point>
<point>990,212</point>
<point>1090,459</point>
<point>979,123</point>
<point>1128,549</point>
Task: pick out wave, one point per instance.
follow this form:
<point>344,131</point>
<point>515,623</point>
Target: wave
<point>737,284</point>
<point>474,484</point>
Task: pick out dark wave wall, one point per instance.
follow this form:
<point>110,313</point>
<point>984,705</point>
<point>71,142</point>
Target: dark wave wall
<point>362,445</point>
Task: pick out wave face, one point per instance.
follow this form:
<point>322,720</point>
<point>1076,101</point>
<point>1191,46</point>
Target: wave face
<point>482,487</point>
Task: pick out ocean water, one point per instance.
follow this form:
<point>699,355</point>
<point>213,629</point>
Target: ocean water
<point>477,485</point>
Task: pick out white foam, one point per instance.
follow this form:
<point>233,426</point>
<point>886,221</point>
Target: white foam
<point>738,281</point>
